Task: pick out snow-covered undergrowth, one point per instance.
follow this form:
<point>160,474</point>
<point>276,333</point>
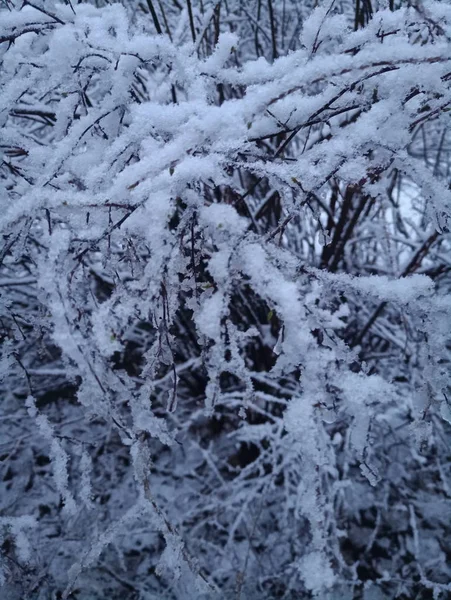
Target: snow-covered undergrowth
<point>225,310</point>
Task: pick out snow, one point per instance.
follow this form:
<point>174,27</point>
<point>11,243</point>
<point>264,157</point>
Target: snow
<point>224,299</point>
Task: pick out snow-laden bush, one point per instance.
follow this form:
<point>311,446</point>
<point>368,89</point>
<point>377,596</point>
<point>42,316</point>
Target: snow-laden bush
<point>225,304</point>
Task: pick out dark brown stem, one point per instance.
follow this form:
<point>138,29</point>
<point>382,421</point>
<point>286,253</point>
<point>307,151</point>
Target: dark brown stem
<point>156,22</point>
<point>191,20</point>
<point>273,30</point>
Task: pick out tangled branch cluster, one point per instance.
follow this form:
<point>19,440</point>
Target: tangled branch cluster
<point>225,301</point>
